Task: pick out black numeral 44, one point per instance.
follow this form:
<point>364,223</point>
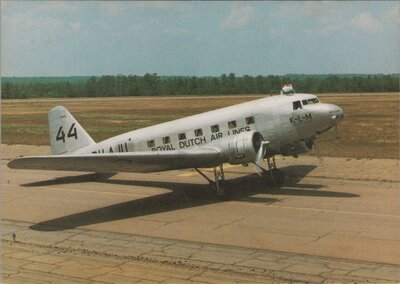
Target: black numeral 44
<point>71,133</point>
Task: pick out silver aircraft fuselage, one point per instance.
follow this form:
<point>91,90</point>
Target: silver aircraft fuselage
<point>285,121</point>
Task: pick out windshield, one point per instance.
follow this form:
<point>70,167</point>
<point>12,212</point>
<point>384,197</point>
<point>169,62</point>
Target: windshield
<point>296,105</point>
<point>310,101</point>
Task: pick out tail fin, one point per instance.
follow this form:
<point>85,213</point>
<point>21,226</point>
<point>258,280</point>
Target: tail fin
<point>66,134</point>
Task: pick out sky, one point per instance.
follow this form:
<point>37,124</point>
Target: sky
<point>78,38</point>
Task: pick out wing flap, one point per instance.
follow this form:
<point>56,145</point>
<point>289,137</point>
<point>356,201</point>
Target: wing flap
<point>140,162</point>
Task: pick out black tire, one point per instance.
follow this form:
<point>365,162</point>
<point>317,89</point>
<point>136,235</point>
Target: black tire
<point>224,192</point>
<point>278,178</point>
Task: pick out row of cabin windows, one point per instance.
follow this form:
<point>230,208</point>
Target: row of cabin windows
<point>199,132</point>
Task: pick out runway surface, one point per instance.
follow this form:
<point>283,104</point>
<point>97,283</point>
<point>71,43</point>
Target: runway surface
<point>345,211</point>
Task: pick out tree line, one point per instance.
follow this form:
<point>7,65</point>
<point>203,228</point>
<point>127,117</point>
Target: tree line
<point>155,85</point>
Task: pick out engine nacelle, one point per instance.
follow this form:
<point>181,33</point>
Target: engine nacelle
<point>241,148</point>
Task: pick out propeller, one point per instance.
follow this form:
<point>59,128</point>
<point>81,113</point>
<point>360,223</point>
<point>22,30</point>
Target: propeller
<point>337,118</point>
<point>319,154</point>
<point>260,157</point>
<point>311,145</point>
<point>337,134</point>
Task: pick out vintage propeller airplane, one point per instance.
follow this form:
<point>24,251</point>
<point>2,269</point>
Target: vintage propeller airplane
<point>285,124</point>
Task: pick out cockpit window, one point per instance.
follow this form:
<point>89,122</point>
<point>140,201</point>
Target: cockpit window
<point>310,101</point>
<point>296,105</point>
<point>313,101</point>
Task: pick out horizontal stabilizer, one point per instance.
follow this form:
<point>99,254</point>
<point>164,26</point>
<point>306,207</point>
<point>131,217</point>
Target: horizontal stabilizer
<point>139,162</point>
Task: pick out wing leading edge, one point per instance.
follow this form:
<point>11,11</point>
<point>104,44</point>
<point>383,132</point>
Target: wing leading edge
<point>140,162</point>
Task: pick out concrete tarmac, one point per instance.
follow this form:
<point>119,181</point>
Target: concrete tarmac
<point>344,212</point>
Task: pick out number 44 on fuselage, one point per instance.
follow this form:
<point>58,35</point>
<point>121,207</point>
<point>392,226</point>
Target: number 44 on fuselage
<point>286,124</point>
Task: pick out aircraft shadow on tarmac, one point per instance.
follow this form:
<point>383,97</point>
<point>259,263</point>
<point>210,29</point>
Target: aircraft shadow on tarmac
<point>249,188</point>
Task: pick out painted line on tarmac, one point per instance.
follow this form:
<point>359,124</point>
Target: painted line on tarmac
<point>316,209</point>
<point>236,202</point>
<point>78,190</point>
<point>188,174</point>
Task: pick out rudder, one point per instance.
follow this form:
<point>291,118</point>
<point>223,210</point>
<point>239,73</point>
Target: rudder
<point>66,134</point>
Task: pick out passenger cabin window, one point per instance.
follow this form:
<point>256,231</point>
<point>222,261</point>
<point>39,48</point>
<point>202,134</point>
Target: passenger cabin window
<point>215,128</point>
<point>198,132</point>
<point>232,124</point>
<point>151,144</point>
<point>166,140</point>
<point>182,136</point>
<point>250,120</point>
<point>296,105</point>
<point>304,102</point>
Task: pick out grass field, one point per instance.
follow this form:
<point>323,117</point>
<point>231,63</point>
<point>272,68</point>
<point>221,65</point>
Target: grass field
<point>370,128</point>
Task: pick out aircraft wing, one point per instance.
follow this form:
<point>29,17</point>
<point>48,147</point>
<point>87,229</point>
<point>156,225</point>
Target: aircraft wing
<point>140,162</point>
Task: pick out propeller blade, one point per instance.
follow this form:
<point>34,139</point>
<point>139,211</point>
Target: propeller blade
<point>319,154</point>
<point>259,170</point>
<point>260,157</point>
<point>337,134</point>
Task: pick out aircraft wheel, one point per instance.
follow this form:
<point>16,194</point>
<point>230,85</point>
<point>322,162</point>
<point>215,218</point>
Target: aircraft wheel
<point>223,192</point>
<point>278,178</point>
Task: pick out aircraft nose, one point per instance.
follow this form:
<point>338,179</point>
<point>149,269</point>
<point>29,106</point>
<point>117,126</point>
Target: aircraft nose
<point>336,113</point>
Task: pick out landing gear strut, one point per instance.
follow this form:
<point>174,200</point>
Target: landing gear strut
<point>274,175</point>
<point>218,185</point>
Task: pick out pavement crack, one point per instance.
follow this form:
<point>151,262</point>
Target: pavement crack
<point>202,271</point>
<point>16,199</point>
<point>318,238</point>
<point>67,238</point>
<point>192,254</point>
<point>227,224</point>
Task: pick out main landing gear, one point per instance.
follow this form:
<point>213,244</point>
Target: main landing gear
<point>219,184</point>
<point>274,176</point>
<point>220,187</point>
